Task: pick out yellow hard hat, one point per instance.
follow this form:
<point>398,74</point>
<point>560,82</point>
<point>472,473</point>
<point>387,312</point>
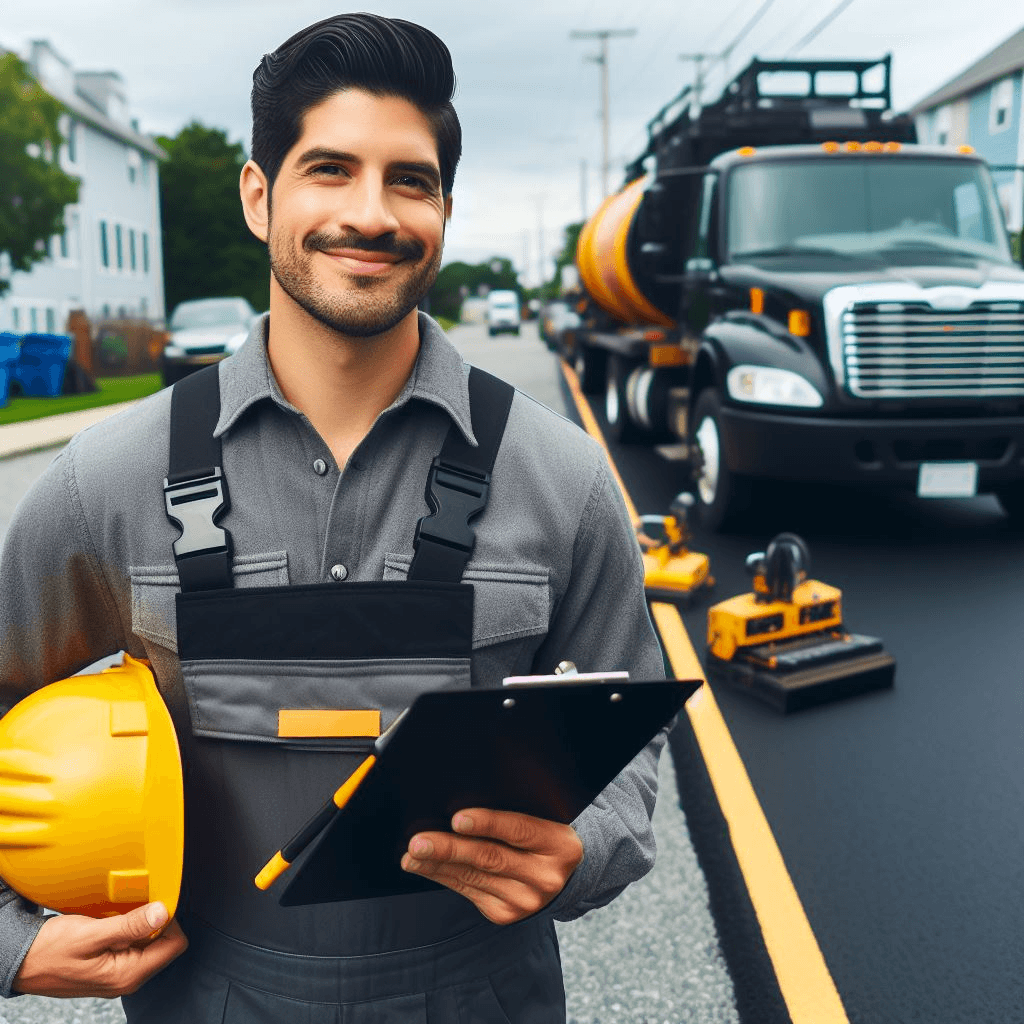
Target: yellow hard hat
<point>91,802</point>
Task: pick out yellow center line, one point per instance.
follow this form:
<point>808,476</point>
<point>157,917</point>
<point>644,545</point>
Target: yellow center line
<point>803,976</point>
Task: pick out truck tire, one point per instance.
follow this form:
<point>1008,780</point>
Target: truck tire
<point>589,364</point>
<point>621,425</point>
<point>722,497</point>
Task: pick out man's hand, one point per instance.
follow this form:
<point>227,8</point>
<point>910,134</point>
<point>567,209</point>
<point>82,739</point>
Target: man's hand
<point>107,957</point>
<point>509,865</point>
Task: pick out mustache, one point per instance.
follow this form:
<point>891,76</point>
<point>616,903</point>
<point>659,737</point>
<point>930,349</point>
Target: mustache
<point>390,243</point>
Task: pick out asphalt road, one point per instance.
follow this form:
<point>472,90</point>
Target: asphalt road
<point>652,956</point>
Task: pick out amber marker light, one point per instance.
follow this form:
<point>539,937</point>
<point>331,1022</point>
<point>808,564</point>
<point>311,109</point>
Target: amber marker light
<point>893,147</point>
<point>667,355</point>
<point>874,147</point>
<point>746,151</point>
<point>757,301</point>
<point>831,147</point>
<point>799,322</point>
<point>965,149</point>
<point>853,147</point>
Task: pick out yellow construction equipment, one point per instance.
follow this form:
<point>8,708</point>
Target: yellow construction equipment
<point>671,570</point>
<point>91,801</point>
<point>785,642</point>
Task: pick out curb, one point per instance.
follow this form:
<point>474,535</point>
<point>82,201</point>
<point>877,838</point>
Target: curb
<point>51,431</point>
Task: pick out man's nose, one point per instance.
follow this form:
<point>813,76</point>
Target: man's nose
<point>369,209</point>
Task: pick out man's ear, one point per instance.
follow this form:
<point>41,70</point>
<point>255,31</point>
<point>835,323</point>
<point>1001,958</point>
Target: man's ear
<point>255,193</point>
<point>448,207</point>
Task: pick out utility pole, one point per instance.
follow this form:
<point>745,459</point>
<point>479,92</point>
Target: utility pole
<point>698,72</point>
<point>583,190</point>
<point>604,35</point>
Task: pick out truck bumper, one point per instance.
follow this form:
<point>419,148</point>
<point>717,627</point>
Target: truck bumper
<point>887,452</point>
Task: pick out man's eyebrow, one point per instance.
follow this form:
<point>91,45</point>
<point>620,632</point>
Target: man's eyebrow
<point>319,153</point>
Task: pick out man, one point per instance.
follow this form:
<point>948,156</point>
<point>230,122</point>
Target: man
<point>321,432</point>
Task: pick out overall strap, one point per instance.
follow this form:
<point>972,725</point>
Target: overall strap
<point>459,484</point>
<point>195,491</point>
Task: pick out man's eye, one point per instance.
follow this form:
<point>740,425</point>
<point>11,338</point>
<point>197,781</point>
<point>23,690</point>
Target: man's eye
<point>412,181</point>
<point>329,170</point>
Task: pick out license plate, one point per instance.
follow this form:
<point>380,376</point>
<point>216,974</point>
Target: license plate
<point>947,480</point>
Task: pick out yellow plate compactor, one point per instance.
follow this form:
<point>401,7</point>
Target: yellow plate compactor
<point>785,642</point>
<point>672,572</point>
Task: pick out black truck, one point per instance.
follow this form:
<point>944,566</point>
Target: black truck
<point>795,289</point>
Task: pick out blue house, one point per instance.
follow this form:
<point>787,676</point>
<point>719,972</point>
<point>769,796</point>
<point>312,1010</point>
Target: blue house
<point>983,107</point>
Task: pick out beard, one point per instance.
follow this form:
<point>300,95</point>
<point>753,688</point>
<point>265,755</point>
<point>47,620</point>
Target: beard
<point>367,306</point>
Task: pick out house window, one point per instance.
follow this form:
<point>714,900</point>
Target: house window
<point>131,248</point>
<point>62,243</point>
<point>1001,106</point>
<point>33,319</point>
<point>16,317</point>
<point>51,320</point>
<point>119,246</point>
<point>943,125</point>
<point>71,142</point>
<point>104,246</point>
<point>145,252</point>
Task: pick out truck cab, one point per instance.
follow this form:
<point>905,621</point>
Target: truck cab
<point>860,320</point>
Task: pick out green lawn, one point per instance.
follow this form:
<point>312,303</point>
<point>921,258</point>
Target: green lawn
<point>112,390</point>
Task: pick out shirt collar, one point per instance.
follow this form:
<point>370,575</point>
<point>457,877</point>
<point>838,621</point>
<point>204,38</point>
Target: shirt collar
<point>440,376</point>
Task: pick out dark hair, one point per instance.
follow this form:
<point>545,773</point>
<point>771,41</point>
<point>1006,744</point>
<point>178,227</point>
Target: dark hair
<point>384,56</point>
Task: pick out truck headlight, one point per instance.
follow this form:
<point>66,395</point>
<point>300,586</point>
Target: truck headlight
<point>767,385</point>
<point>174,351</point>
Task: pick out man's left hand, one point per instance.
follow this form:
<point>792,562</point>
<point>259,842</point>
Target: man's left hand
<point>509,865</point>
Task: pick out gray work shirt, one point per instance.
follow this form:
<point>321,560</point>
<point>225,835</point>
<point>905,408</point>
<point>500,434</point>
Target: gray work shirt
<point>87,567</point>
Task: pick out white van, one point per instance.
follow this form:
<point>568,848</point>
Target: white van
<point>502,312</point>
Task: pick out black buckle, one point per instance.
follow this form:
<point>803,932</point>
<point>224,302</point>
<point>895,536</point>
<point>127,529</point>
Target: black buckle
<point>194,506</point>
<point>455,494</point>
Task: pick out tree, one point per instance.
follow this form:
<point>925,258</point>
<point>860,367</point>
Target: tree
<point>457,280</point>
<point>208,249</point>
<point>565,258</point>
<point>33,188</point>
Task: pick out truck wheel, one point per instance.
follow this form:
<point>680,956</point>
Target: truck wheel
<point>621,425</point>
<point>1011,497</point>
<point>589,364</point>
<point>722,496</point>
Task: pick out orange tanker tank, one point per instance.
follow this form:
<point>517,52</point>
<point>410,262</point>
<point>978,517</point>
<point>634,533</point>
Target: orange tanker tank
<point>606,250</point>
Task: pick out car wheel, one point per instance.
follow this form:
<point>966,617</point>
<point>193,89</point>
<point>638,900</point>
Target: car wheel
<point>589,364</point>
<point>722,497</point>
<point>621,425</point>
<point>1011,497</point>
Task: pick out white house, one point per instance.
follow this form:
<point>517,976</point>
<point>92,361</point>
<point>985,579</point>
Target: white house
<point>108,261</point>
<point>983,107</point>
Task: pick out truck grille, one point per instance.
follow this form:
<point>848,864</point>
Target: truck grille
<point>912,350</point>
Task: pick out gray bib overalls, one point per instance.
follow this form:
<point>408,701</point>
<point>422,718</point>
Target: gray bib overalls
<point>247,656</point>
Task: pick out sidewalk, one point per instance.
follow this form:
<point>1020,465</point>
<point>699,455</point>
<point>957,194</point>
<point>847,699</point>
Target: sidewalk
<point>51,431</point>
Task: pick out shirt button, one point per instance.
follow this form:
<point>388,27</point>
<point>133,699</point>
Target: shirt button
<point>319,467</point>
<point>338,573</point>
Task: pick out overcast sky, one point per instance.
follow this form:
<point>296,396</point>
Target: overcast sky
<point>528,99</point>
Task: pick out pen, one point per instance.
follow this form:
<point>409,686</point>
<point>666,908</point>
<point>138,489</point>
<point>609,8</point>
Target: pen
<point>282,860</point>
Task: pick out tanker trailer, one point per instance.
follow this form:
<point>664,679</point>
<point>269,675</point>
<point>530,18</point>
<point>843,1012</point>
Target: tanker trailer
<point>629,345</point>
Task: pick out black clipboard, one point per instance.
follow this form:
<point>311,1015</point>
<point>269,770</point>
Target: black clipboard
<point>545,749</point>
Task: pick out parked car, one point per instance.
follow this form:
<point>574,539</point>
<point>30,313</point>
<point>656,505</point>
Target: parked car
<point>557,317</point>
<point>203,331</point>
<point>502,312</point>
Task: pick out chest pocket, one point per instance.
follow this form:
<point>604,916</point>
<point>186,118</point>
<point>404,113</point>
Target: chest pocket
<point>319,666</point>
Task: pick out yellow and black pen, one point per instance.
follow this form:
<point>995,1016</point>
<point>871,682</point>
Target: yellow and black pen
<point>282,860</point>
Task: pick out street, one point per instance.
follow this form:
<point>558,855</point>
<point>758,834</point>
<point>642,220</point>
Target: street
<point>899,815</point>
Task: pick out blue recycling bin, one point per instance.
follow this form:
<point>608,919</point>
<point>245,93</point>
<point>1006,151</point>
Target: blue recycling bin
<point>10,348</point>
<point>39,370</point>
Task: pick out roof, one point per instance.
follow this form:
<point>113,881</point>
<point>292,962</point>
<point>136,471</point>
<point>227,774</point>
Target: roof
<point>81,108</point>
<point>1005,59</point>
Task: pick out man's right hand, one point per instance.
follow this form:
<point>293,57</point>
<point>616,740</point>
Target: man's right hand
<point>107,957</point>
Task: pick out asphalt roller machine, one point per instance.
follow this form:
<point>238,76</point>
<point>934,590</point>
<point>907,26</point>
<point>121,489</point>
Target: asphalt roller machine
<point>785,642</point>
<point>672,572</point>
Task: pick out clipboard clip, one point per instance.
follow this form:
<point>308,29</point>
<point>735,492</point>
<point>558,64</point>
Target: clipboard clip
<point>566,672</point>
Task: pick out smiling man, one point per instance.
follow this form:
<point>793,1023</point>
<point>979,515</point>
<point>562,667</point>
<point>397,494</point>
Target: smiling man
<point>314,590</point>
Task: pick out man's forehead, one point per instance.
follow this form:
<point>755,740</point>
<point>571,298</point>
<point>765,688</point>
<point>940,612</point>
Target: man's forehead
<point>355,117</point>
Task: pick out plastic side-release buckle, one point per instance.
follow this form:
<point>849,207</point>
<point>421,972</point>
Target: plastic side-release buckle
<point>194,505</point>
<point>456,494</point>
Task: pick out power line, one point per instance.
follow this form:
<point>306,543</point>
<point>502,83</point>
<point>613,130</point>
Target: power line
<point>821,26</point>
<point>745,31</point>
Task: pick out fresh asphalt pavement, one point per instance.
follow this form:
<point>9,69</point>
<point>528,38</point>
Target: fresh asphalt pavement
<point>650,957</point>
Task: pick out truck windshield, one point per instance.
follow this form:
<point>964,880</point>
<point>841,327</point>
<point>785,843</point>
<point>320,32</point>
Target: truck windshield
<point>864,206</point>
